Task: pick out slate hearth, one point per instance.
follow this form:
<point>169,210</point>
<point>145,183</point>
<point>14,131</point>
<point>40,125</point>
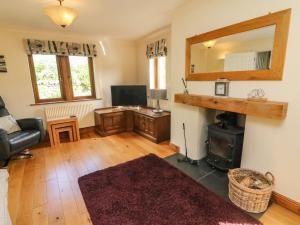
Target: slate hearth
<point>215,180</point>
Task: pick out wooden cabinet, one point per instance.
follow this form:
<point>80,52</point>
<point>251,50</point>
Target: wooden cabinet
<point>155,127</point>
<point>110,123</point>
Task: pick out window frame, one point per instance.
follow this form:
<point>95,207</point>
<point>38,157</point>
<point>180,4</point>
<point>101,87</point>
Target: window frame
<point>65,80</point>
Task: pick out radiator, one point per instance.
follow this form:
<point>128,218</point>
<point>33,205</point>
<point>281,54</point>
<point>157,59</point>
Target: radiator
<point>240,61</point>
<point>84,113</point>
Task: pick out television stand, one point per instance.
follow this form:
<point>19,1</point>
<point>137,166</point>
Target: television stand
<point>113,120</point>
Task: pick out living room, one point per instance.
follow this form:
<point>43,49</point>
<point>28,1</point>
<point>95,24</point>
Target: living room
<point>158,78</point>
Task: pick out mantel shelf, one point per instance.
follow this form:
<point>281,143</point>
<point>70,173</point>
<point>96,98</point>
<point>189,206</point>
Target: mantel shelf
<point>269,109</point>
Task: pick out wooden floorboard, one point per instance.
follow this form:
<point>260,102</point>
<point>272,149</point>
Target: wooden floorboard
<point>44,190</point>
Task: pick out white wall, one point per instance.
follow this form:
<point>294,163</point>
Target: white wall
<point>143,62</point>
<point>269,145</point>
<point>118,66</point>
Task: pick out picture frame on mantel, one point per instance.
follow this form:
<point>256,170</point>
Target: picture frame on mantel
<point>222,87</point>
<point>3,68</point>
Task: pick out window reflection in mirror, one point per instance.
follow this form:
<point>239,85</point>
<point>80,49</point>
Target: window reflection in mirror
<point>251,50</point>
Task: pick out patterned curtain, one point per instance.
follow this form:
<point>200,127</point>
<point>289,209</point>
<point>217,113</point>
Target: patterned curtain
<point>157,48</point>
<point>59,48</point>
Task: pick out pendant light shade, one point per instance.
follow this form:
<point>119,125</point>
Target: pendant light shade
<point>61,15</point>
<point>209,44</point>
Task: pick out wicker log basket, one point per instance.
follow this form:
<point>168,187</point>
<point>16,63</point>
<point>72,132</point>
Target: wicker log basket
<point>250,190</point>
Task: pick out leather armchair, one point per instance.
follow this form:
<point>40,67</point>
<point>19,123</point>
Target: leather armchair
<point>32,132</point>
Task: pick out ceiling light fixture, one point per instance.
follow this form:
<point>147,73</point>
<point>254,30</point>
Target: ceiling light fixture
<point>61,15</point>
<point>209,44</point>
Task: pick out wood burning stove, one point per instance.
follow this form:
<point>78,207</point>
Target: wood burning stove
<point>225,143</point>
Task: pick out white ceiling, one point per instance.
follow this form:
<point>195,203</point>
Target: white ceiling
<point>128,19</point>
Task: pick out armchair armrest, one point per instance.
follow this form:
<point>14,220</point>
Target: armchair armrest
<point>33,124</point>
<point>4,145</point>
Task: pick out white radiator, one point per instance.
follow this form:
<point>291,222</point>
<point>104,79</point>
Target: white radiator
<point>84,112</point>
<point>240,61</point>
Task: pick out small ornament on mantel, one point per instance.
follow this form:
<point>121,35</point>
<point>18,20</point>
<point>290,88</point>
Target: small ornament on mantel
<point>257,95</point>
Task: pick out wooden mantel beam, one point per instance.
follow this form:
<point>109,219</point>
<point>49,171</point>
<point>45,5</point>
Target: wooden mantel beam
<point>269,109</point>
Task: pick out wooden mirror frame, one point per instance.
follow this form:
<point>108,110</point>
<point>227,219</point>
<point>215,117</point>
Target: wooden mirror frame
<point>280,19</point>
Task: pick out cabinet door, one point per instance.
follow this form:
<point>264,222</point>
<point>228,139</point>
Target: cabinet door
<point>150,123</point>
<point>118,121</point>
<point>107,122</point>
<point>142,123</point>
<point>139,122</point>
<point>136,119</point>
<point>114,121</point>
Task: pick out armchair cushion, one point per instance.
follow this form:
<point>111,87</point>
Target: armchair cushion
<point>33,124</point>
<point>3,110</point>
<point>23,139</point>
<point>9,124</point>
<point>4,145</point>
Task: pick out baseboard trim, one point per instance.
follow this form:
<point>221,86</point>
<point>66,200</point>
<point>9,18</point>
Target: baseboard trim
<point>174,147</point>
<point>286,202</point>
<point>87,130</point>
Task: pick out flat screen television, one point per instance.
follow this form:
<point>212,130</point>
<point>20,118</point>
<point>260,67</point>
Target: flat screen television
<point>129,95</point>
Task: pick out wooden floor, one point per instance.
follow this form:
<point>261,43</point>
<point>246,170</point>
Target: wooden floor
<point>44,190</point>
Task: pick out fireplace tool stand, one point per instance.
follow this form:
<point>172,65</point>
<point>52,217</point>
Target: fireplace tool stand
<point>186,159</point>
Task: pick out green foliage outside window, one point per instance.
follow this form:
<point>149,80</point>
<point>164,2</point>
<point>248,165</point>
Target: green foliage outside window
<point>81,81</point>
<point>47,76</point>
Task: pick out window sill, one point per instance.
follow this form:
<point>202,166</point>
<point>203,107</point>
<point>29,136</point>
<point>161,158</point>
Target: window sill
<point>66,101</point>
<point>165,99</point>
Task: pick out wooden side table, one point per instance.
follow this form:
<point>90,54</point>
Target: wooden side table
<point>55,127</point>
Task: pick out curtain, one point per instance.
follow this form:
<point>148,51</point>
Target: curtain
<point>263,60</point>
<point>61,48</point>
<point>157,48</point>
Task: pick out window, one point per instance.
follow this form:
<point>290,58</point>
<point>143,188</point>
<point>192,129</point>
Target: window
<point>47,78</point>
<point>157,72</point>
<point>162,72</point>
<point>81,81</point>
<point>61,78</point>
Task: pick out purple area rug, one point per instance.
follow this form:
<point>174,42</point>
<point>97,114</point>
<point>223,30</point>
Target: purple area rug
<point>149,191</point>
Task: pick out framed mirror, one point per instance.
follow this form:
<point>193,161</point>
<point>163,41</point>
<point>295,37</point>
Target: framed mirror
<point>250,50</point>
